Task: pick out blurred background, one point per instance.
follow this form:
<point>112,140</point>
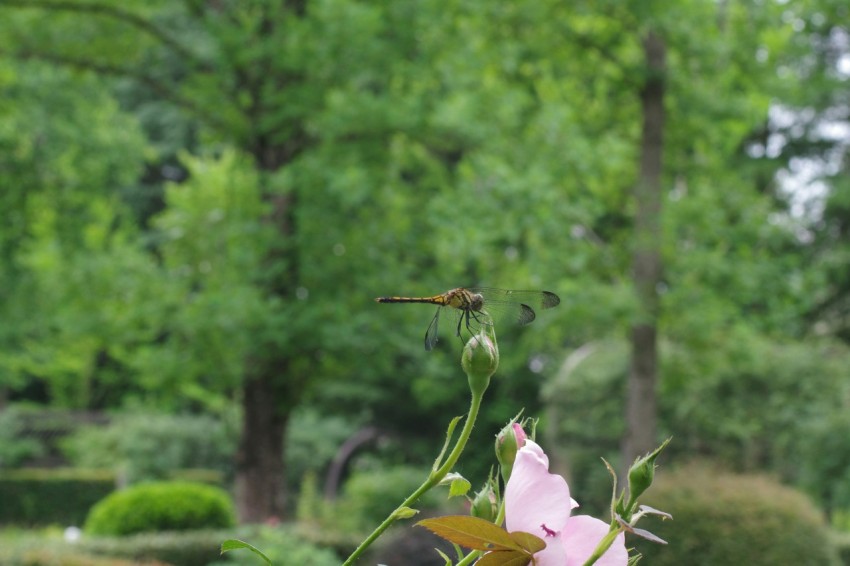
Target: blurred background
<point>201,199</point>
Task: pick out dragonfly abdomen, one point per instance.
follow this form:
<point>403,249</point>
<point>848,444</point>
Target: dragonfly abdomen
<point>436,300</point>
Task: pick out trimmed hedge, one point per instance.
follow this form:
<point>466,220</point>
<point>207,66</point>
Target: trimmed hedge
<point>33,497</point>
<point>281,544</point>
<point>188,548</point>
<point>722,518</point>
<point>161,506</point>
<point>73,558</point>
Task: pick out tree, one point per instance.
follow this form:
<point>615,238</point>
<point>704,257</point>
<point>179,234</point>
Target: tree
<point>66,149</point>
<point>641,403</point>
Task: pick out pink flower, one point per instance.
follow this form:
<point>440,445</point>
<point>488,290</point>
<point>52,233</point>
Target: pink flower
<point>539,503</point>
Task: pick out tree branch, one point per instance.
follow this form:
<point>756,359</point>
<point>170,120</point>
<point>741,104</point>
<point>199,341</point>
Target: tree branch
<point>159,87</point>
<point>125,16</point>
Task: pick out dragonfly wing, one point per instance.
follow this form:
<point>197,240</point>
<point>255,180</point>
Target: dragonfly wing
<point>549,300</point>
<point>526,315</point>
<point>534,299</point>
<point>431,333</point>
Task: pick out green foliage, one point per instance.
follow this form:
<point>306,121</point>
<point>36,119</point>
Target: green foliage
<point>842,543</point>
<point>161,506</point>
<point>30,495</point>
<point>824,462</point>
<point>213,243</point>
<point>720,518</point>
<point>282,545</point>
<point>583,405</point>
<point>774,397</point>
<point>15,449</point>
<point>312,441</point>
<point>370,495</point>
<point>66,148</point>
<point>146,446</point>
<point>781,402</point>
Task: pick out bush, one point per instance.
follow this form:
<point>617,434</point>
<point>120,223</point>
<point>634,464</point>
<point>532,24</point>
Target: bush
<point>153,447</point>
<point>721,518</point>
<point>48,547</point>
<point>186,548</point>
<point>282,545</point>
<point>73,558</point>
<point>32,496</point>
<point>14,447</point>
<point>842,545</point>
<point>161,506</point>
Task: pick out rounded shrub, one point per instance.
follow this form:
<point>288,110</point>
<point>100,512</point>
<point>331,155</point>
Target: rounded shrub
<point>161,506</point>
<point>723,518</point>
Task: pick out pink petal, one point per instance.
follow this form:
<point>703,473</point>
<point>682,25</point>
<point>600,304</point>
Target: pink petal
<point>534,497</point>
<point>580,537</point>
<point>553,555</point>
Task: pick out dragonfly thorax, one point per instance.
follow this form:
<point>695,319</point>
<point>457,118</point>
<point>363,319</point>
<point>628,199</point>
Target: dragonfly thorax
<point>465,299</point>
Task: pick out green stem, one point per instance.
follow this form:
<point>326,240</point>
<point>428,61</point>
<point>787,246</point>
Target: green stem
<point>433,479</point>
<point>469,558</point>
<point>602,547</point>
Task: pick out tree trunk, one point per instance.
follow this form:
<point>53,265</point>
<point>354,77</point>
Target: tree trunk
<point>272,389</point>
<point>259,460</point>
<point>641,405</point>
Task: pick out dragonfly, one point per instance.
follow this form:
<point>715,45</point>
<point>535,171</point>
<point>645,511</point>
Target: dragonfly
<point>477,306</point>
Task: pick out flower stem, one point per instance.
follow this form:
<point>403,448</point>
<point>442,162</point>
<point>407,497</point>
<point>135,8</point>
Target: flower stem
<point>434,478</point>
<point>602,547</point>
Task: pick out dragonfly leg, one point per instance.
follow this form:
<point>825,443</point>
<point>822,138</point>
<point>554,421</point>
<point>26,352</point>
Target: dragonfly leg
<point>481,318</point>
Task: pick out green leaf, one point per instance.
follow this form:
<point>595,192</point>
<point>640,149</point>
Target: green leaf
<point>528,541</point>
<point>471,532</point>
<point>235,544</point>
<point>405,513</point>
<point>505,558</point>
<point>458,485</point>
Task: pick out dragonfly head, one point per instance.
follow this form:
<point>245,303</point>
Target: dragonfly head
<point>476,301</point>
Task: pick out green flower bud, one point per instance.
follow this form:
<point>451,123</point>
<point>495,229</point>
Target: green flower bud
<point>480,360</point>
<point>642,473</point>
<point>484,504</point>
<point>508,441</point>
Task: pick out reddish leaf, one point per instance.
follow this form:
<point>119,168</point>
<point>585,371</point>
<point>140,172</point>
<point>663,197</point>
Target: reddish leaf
<point>528,541</point>
<point>505,558</point>
<point>471,532</point>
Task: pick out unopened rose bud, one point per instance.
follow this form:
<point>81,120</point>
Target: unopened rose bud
<point>484,504</point>
<point>642,473</point>
<point>508,441</point>
<point>480,360</point>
